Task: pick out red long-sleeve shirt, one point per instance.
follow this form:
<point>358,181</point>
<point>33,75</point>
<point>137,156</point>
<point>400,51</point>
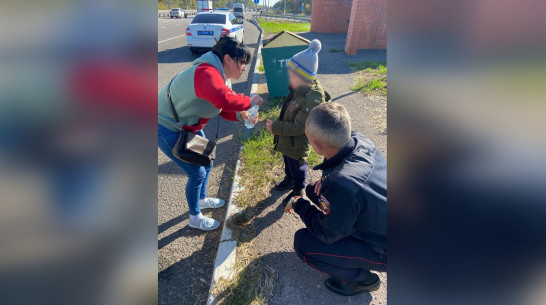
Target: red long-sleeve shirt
<point>210,85</point>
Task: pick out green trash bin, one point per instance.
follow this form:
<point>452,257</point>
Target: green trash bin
<point>275,53</point>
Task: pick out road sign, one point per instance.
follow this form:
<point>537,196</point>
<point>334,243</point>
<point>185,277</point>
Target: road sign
<point>302,6</point>
<point>256,1</point>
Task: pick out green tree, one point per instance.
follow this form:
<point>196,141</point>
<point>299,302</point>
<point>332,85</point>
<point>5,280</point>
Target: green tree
<point>293,6</point>
<point>192,4</point>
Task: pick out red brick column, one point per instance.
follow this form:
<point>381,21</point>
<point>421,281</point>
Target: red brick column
<point>330,16</point>
<point>368,26</point>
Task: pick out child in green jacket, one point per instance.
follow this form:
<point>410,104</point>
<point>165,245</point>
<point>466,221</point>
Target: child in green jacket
<point>289,129</point>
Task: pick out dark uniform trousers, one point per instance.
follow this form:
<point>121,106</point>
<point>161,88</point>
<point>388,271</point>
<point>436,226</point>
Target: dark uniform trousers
<point>348,259</point>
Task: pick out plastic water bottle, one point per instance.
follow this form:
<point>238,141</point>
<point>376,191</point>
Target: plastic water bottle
<point>253,112</point>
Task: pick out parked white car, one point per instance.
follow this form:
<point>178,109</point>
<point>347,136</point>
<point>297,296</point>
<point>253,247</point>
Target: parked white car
<point>178,13</point>
<point>207,27</point>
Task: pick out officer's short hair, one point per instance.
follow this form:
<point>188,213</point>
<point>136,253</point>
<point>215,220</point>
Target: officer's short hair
<point>330,122</point>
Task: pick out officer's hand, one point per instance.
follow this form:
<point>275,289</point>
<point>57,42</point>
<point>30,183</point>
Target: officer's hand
<point>289,209</point>
<point>317,185</point>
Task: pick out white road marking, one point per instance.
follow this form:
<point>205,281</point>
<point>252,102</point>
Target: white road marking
<point>163,27</point>
<point>170,39</point>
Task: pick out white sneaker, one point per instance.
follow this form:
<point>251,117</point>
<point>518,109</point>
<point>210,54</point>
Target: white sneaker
<point>210,203</point>
<point>204,223</point>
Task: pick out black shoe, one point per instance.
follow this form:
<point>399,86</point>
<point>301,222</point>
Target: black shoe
<point>295,192</point>
<point>285,184</point>
<point>372,283</point>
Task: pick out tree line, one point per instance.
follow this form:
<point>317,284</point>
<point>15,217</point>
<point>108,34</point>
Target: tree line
<point>293,6</point>
<point>192,4</point>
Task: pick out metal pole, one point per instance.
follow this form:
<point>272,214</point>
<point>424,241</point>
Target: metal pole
<point>284,12</point>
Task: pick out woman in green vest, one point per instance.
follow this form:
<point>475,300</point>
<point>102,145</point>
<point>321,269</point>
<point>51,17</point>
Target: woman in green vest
<point>199,94</point>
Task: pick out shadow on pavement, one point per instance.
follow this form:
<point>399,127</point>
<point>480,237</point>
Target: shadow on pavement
<point>185,281</point>
<point>284,286</point>
<point>249,215</point>
<point>343,95</point>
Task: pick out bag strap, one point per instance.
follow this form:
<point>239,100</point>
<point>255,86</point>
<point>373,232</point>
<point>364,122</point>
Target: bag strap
<point>173,110</point>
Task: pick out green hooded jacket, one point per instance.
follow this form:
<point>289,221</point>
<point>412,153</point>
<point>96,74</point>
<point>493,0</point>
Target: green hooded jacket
<point>289,129</point>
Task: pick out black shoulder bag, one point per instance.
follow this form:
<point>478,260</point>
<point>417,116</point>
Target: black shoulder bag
<point>190,147</point>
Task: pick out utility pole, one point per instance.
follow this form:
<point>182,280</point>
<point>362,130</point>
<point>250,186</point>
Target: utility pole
<point>284,11</point>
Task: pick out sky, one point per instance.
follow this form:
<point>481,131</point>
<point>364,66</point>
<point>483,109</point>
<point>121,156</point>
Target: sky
<point>271,2</point>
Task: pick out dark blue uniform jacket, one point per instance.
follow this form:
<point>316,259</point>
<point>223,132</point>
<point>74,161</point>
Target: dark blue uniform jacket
<point>353,196</point>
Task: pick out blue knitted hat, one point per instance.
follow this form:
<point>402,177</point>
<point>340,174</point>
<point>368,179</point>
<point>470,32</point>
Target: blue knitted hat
<point>305,63</point>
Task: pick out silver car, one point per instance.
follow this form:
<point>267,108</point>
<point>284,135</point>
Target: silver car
<point>178,13</point>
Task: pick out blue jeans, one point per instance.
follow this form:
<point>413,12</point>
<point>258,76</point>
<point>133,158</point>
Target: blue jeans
<point>198,176</point>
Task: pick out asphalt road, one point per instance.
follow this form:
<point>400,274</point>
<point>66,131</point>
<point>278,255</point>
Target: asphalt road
<point>186,256</point>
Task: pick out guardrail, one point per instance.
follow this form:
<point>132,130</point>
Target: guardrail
<point>165,13</point>
<point>287,17</point>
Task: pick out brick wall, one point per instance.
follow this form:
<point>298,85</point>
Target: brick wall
<point>330,16</point>
<point>368,26</point>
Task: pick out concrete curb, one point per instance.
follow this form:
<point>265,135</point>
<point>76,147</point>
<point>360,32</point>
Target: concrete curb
<point>224,266</point>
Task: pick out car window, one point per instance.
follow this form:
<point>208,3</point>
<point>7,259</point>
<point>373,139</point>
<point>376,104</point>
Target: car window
<point>175,10</point>
<point>238,9</point>
<point>209,18</point>
<point>234,19</point>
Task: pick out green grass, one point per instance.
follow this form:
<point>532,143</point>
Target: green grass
<point>364,65</point>
<point>371,76</point>
<point>277,26</point>
<point>258,163</point>
<point>258,159</point>
<point>334,50</point>
<point>253,283</point>
<point>374,85</point>
<point>381,70</point>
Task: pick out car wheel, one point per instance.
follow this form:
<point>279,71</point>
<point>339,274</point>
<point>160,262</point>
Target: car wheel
<point>171,17</point>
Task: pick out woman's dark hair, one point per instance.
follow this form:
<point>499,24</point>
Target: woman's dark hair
<point>230,46</point>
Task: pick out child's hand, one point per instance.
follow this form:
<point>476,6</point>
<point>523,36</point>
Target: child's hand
<point>269,126</point>
<point>255,120</point>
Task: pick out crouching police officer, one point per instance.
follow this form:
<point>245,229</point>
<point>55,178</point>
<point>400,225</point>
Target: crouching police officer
<point>346,231</point>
